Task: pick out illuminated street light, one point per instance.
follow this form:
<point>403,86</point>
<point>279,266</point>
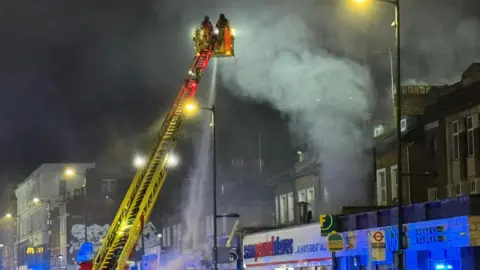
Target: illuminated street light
<point>139,161</point>
<point>36,200</point>
<point>172,160</point>
<point>159,235</point>
<point>8,215</point>
<point>191,108</point>
<point>69,172</point>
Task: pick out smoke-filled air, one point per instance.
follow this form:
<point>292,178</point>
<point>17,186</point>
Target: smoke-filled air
<point>327,98</point>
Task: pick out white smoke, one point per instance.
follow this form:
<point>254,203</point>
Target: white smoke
<point>327,97</point>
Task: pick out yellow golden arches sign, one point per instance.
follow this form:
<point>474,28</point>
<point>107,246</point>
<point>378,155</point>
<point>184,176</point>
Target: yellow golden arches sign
<point>35,250</point>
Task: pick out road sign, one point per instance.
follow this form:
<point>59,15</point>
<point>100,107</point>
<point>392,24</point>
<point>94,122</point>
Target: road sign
<point>335,242</point>
<point>328,224</point>
<point>377,245</point>
<point>233,256</point>
<point>377,237</point>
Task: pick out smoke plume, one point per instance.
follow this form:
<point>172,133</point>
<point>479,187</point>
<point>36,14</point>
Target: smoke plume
<point>328,99</point>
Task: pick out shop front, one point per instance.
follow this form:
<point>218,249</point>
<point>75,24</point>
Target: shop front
<point>448,244</point>
<point>429,245</point>
<point>299,248</point>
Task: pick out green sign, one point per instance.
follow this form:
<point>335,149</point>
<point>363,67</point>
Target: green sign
<point>328,224</point>
<point>335,242</point>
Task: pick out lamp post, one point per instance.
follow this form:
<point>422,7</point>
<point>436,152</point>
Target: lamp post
<point>37,200</point>
<point>398,119</point>
<point>191,108</point>
<point>70,172</point>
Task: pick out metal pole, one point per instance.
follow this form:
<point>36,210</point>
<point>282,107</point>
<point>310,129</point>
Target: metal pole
<point>49,231</point>
<point>85,208</point>
<point>214,176</point>
<point>399,139</point>
<point>392,79</point>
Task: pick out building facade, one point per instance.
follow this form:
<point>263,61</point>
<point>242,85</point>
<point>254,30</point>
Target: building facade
<point>45,189</point>
<point>437,235</point>
<point>439,143</point>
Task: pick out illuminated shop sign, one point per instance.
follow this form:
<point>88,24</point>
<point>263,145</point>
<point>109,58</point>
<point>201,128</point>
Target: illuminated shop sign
<point>433,234</point>
<point>271,248</point>
<point>35,250</point>
<point>311,248</point>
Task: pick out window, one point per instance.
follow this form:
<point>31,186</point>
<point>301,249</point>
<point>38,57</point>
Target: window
<point>381,187</point>
<point>310,199</point>
<point>470,137</point>
<point>283,208</point>
<point>277,213</point>
<point>180,233</point>
<point>403,125</point>
<point>291,207</point>
<point>394,182</point>
<point>432,194</point>
<point>433,147</point>
<point>174,235</point>
<point>456,140</point>
<point>109,185</point>
<point>301,196</point>
<point>164,237</point>
<point>237,162</point>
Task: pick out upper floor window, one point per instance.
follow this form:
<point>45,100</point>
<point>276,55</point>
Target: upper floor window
<point>394,182</point>
<point>109,185</point>
<point>291,206</point>
<point>432,194</point>
<point>381,187</point>
<point>403,125</point>
<point>433,147</point>
<point>470,136</point>
<point>455,140</point>
<point>237,162</point>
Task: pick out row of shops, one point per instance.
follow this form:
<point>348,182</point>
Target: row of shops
<point>430,245</point>
<point>442,244</point>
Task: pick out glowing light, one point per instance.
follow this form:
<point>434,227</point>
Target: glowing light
<point>172,160</point>
<point>8,215</point>
<point>69,172</point>
<point>139,161</point>
<point>216,31</point>
<point>36,200</point>
<point>190,108</point>
<point>232,31</point>
<point>159,235</point>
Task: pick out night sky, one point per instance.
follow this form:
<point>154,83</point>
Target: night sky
<point>76,76</point>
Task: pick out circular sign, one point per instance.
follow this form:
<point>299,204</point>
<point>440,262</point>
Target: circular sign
<point>378,236</point>
<point>233,256</point>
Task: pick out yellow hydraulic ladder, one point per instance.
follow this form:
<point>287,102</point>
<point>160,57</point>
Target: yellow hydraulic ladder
<point>140,199</point>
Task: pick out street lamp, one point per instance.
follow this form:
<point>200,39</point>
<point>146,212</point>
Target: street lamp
<point>69,173</point>
<point>139,161</point>
<point>172,160</point>
<point>398,119</point>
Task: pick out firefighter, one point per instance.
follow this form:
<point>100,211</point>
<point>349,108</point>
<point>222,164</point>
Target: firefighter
<point>207,29</point>
<point>222,25</point>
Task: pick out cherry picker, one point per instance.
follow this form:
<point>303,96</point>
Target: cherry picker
<point>143,192</point>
